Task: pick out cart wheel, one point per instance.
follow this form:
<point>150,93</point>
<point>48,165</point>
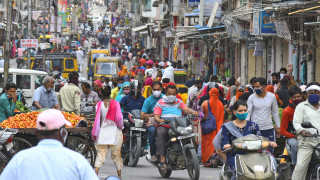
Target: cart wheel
<point>81,145</point>
<point>94,150</point>
<point>20,143</point>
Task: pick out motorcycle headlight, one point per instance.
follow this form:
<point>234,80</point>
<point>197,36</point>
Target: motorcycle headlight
<point>138,123</point>
<point>184,130</point>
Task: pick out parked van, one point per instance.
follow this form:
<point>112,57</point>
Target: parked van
<point>26,80</point>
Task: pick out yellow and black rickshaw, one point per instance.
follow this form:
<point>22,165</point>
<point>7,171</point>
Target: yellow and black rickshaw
<point>180,78</point>
<point>64,63</point>
<point>107,67</point>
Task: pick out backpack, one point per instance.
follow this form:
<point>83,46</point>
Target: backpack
<point>209,124</point>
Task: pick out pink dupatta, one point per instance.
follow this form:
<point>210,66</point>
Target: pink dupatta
<point>114,114</point>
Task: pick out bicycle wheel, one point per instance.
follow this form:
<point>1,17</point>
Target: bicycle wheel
<point>80,144</point>
<point>20,143</point>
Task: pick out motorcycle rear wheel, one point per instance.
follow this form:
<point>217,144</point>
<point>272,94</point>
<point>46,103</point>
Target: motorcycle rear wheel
<point>135,152</point>
<point>312,173</point>
<point>193,167</point>
<point>5,156</point>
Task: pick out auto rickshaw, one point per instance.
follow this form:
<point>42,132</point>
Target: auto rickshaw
<point>95,54</point>
<point>107,67</point>
<point>180,78</point>
<point>62,62</point>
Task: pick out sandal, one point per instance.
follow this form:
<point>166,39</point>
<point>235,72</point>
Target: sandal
<point>163,166</point>
<point>154,159</point>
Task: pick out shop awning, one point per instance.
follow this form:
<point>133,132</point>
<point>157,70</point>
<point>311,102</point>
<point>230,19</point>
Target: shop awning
<point>140,28</point>
<point>209,28</point>
<point>192,15</point>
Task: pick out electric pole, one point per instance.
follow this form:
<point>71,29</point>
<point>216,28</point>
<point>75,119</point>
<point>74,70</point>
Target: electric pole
<point>44,35</point>
<point>55,23</point>
<point>8,41</point>
<point>29,32</point>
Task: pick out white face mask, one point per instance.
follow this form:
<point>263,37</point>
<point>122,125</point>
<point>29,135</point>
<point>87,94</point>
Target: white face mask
<point>49,89</point>
<point>66,134</point>
<point>169,99</point>
<point>156,94</point>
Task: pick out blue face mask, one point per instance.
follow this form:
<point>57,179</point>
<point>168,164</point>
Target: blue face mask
<point>258,91</point>
<point>242,117</point>
<point>313,99</point>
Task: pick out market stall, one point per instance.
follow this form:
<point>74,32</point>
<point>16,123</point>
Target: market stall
<point>79,134</point>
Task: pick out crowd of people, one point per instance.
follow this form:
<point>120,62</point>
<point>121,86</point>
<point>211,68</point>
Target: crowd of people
<point>245,109</point>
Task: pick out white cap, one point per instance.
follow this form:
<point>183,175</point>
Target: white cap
<point>313,88</point>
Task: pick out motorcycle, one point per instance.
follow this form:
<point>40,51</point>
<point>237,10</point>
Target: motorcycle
<point>181,153</point>
<point>252,164</point>
<point>314,164</point>
<point>6,146</point>
<point>134,138</point>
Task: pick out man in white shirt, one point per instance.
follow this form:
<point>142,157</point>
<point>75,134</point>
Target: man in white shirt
<point>80,59</point>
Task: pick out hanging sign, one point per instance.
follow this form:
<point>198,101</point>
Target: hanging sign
<point>55,39</point>
<point>282,29</point>
<point>262,24</point>
<point>29,43</point>
<point>194,3</point>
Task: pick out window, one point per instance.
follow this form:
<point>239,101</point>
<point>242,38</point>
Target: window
<point>10,79</point>
<point>38,81</point>
<point>69,64</point>
<point>147,5</point>
<point>24,81</point>
<point>180,79</point>
<point>106,68</point>
<point>56,65</point>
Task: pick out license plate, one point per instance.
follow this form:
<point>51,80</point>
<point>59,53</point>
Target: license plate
<point>9,146</point>
<point>138,129</point>
<point>186,136</point>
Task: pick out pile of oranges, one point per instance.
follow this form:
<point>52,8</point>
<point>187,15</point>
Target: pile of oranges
<point>28,120</point>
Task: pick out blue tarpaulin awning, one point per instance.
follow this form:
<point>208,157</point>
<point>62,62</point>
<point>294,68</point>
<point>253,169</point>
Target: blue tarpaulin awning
<point>208,28</point>
<point>192,14</point>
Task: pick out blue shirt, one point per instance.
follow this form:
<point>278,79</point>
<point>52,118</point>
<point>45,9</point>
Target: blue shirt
<point>47,99</point>
<point>128,103</point>
<point>48,160</point>
<point>150,103</point>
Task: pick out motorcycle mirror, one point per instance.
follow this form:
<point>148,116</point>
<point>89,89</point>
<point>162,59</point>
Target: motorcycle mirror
<point>307,125</point>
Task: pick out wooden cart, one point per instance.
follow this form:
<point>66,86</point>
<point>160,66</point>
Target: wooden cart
<point>79,139</point>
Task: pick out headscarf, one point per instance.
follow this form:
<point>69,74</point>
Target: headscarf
<point>98,82</point>
<point>270,88</point>
<point>204,92</point>
<point>233,91</point>
<point>148,82</point>
<point>121,92</point>
<point>239,94</point>
<point>124,72</point>
<point>217,109</point>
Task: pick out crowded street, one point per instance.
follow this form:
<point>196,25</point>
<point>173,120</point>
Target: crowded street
<point>159,89</point>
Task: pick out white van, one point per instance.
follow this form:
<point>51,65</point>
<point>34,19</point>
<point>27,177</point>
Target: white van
<point>26,80</point>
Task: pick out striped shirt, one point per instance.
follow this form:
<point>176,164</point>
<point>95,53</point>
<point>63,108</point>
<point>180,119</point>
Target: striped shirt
<point>169,110</point>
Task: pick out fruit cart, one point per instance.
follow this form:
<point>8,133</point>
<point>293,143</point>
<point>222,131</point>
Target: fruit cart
<point>79,135</point>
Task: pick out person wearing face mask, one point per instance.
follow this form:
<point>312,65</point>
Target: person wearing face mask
<point>239,126</point>
<point>54,161</point>
<point>168,108</point>
<point>8,101</point>
<point>69,95</point>
<point>147,112</point>
<point>89,98</point>
<point>125,90</point>
<point>307,111</point>
<point>283,72</point>
<point>241,89</point>
<point>96,87</point>
<point>44,96</point>
<point>261,106</point>
<point>117,86</point>
<point>195,89</point>
<point>191,81</point>
<point>286,128</point>
<point>134,100</point>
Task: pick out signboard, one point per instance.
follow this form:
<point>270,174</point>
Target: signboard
<point>66,31</point>
<point>29,43</point>
<point>194,3</point>
<point>262,23</point>
<point>55,40</point>
<point>266,23</point>
<point>44,45</point>
<point>282,29</point>
<point>208,6</point>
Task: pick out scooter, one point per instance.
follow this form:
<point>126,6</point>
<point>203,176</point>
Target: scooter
<point>6,146</point>
<point>134,138</point>
<point>314,165</point>
<point>253,164</point>
<point>180,149</point>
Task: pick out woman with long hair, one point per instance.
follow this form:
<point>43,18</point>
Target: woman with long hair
<point>107,130</point>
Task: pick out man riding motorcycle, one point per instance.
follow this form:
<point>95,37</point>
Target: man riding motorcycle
<point>148,112</point>
<point>307,111</point>
<point>167,109</point>
<point>134,100</point>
